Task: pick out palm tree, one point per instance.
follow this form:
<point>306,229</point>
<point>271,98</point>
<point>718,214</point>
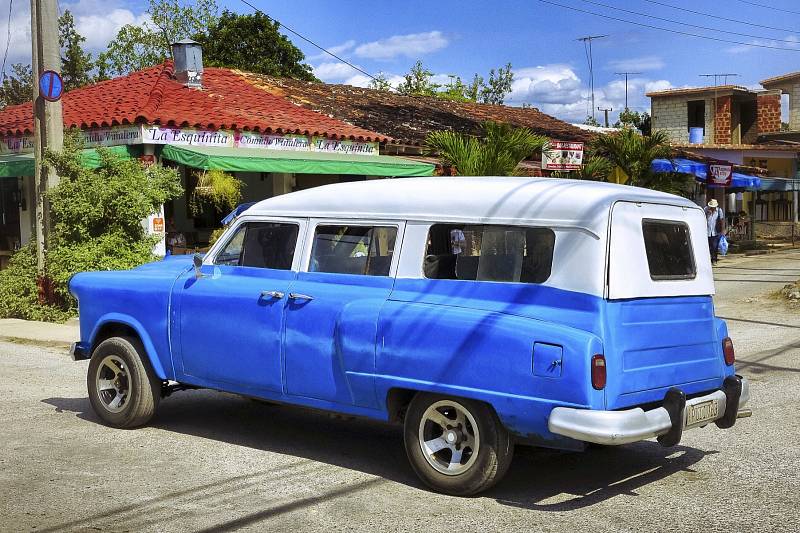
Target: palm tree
<point>498,153</point>
<point>594,168</point>
<point>634,154</point>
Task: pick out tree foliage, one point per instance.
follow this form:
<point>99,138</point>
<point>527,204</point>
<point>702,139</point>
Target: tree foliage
<point>634,153</point>
<point>634,119</point>
<point>18,87</point>
<point>497,153</point>
<point>419,82</point>
<point>138,47</point>
<point>380,83</point>
<point>76,64</point>
<point>252,43</point>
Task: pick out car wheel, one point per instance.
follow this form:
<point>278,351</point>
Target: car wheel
<point>123,389</point>
<point>456,446</point>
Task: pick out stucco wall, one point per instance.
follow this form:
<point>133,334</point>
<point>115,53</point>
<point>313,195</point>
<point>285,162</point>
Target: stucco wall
<point>670,114</point>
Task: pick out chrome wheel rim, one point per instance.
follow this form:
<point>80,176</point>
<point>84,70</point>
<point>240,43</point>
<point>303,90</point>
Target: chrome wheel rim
<point>113,384</point>
<point>449,437</point>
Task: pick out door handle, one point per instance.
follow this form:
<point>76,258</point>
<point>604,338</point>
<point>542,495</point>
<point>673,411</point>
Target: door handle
<point>298,296</point>
<point>272,294</point>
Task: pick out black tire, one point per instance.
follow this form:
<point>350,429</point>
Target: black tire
<point>137,386</point>
<point>495,446</point>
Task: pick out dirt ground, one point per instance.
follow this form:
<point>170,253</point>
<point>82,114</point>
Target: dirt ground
<point>216,462</point>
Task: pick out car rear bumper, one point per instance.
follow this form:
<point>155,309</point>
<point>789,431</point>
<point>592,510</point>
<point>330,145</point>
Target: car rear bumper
<point>666,422</point>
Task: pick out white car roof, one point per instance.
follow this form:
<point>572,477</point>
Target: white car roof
<point>509,200</point>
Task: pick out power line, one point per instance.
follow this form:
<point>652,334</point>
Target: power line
<point>8,39</point>
<point>306,39</point>
<point>712,15</point>
<point>688,34</point>
<point>673,21</point>
<point>770,7</point>
<point>723,75</point>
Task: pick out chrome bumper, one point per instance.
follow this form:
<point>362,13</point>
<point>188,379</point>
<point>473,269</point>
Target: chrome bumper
<point>632,425</point>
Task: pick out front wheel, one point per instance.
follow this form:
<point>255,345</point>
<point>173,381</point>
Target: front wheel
<point>123,390</point>
<point>456,446</point>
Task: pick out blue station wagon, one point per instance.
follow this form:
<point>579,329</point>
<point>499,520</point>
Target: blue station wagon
<point>478,312</point>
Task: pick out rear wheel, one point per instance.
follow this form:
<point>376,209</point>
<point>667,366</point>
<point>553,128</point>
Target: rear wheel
<point>456,446</point>
<point>123,389</point>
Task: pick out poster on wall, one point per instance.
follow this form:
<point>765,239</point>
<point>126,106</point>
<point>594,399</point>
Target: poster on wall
<point>721,175</point>
<point>294,143</point>
<point>343,146</point>
<point>563,155</point>
<point>186,136</point>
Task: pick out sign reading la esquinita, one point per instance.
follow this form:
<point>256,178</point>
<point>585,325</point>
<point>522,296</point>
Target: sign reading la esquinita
<point>563,155</point>
<point>721,175</point>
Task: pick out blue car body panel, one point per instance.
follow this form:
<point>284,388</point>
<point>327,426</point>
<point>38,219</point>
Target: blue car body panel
<point>523,348</point>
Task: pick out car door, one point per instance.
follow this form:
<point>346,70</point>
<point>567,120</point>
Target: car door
<point>230,321</point>
<point>333,307</point>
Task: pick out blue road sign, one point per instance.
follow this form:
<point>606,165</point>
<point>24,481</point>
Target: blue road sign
<point>51,86</point>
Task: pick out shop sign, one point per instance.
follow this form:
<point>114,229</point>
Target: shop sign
<point>186,136</point>
<point>93,138</point>
<point>296,143</point>
<point>563,155</point>
<point>323,144</point>
<point>721,175</point>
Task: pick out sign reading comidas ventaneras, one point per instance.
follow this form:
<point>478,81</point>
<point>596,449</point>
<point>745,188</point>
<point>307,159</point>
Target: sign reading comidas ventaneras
<point>149,134</point>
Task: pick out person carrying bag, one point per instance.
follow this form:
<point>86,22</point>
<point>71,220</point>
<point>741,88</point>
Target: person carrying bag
<point>715,223</point>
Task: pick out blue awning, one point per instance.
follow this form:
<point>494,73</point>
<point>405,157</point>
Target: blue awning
<point>700,172</point>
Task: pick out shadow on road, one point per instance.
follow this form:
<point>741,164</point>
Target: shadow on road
<point>538,479</point>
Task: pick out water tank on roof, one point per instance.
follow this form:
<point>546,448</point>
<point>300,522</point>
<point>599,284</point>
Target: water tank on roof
<point>695,135</point>
<point>188,57</point>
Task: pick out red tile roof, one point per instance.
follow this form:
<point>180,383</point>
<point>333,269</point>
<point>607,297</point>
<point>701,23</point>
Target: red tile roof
<point>227,101</point>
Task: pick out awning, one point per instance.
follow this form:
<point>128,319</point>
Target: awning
<point>14,165</point>
<point>780,184</point>
<point>257,160</point>
<point>700,172</point>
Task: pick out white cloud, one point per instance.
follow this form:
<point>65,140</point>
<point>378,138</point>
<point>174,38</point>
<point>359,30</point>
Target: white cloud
<point>412,45</point>
<point>101,27</point>
<point>557,90</point>
<point>339,50</point>
<point>334,71</point>
<point>637,64</point>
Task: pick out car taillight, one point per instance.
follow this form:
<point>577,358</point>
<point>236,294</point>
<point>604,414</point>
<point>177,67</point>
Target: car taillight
<point>727,351</point>
<point>599,372</point>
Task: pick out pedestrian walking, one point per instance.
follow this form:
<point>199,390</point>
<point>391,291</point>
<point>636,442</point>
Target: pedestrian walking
<point>715,224</point>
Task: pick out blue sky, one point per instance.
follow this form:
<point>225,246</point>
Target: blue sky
<point>539,39</point>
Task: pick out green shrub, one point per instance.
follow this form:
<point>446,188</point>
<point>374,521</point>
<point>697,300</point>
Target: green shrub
<point>96,224</point>
<point>19,297</point>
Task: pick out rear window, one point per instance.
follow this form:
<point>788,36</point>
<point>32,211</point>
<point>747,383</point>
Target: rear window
<point>668,245</point>
<point>489,253</point>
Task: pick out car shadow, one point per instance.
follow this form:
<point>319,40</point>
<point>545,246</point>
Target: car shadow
<point>538,479</point>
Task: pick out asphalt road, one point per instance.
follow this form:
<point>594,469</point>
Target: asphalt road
<point>215,462</point>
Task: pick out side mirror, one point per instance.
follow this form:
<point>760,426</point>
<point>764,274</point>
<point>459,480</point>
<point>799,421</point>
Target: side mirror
<point>198,262</point>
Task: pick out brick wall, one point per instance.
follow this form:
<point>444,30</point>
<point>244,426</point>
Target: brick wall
<point>768,112</point>
<point>722,121</point>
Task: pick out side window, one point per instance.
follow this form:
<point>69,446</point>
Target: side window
<point>668,245</point>
<point>489,253</point>
<point>363,250</point>
<point>261,245</point>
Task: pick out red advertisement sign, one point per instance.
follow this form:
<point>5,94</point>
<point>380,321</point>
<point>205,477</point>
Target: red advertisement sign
<point>720,175</point>
<point>563,155</point>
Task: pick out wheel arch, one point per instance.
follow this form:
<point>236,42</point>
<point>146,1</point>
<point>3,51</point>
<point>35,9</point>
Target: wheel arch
<point>117,325</point>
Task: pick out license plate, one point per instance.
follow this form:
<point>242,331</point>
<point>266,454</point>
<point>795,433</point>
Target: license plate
<point>701,412</point>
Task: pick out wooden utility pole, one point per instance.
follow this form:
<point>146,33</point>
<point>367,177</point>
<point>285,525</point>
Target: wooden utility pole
<point>48,124</point>
<point>606,111</point>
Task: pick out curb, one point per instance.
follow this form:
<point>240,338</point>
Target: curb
<point>37,342</point>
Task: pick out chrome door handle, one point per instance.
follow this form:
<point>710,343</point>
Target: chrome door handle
<point>272,294</point>
<point>298,296</point>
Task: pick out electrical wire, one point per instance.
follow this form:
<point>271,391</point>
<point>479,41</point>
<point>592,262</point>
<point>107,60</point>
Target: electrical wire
<point>8,39</point>
<point>673,21</point>
<point>652,27</point>
<point>306,39</point>
<point>770,7</point>
<point>712,15</point>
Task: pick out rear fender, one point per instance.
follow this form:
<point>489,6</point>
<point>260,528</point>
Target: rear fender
<point>126,320</point>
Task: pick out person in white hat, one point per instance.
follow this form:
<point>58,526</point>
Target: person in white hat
<point>715,223</point>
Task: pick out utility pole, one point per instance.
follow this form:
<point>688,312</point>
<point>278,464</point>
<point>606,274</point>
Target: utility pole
<point>587,46</point>
<point>626,74</point>
<point>48,124</point>
<point>606,110</point>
